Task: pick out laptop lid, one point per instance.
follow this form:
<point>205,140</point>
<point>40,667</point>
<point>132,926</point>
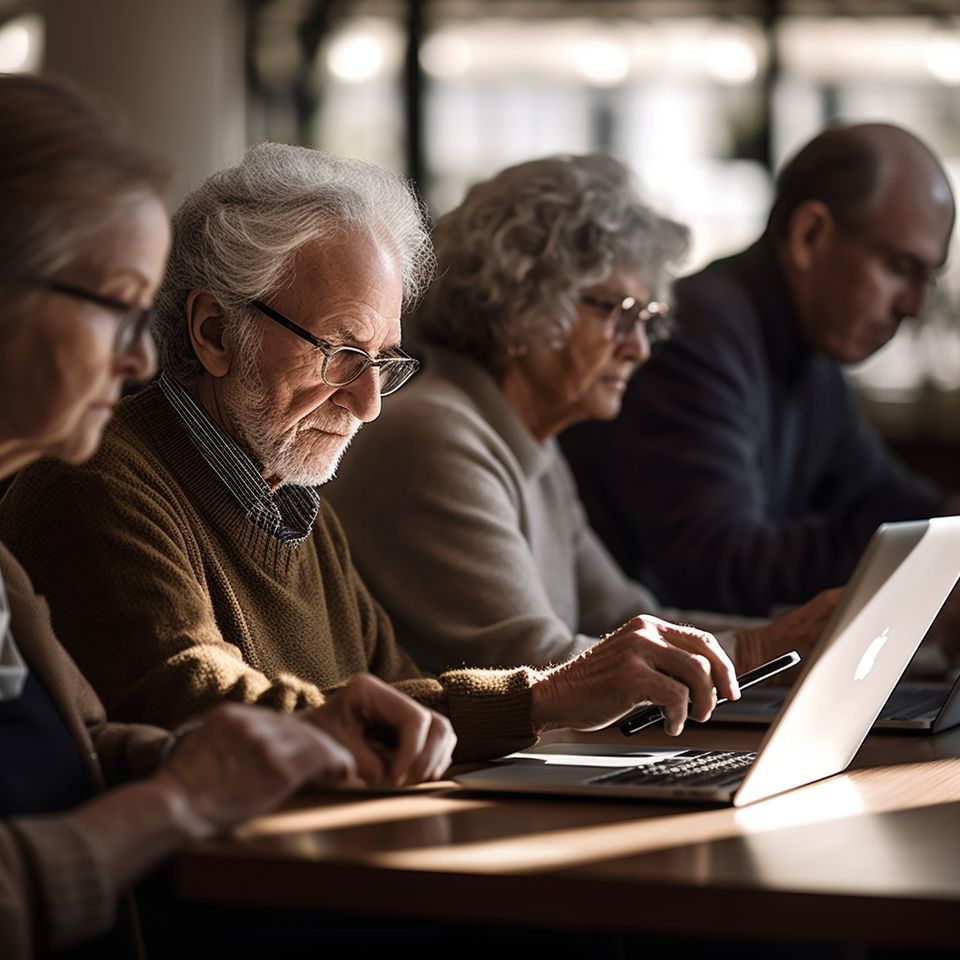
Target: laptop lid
<point>898,587</point>
<point>901,582</point>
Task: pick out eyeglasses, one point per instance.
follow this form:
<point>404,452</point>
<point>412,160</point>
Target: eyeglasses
<point>342,365</point>
<point>628,312</point>
<point>134,321</point>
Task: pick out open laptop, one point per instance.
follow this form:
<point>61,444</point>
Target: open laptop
<point>897,589</point>
<point>916,706</point>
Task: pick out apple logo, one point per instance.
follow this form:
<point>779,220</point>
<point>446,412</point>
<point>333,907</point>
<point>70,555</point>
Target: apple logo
<point>870,655</point>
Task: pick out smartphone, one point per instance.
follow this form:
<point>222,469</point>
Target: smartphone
<point>647,716</point>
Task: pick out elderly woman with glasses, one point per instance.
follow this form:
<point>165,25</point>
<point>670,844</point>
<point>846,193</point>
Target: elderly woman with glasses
<point>83,243</point>
<point>554,283</point>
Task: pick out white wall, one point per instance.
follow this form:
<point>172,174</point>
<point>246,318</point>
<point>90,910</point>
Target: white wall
<point>174,68</point>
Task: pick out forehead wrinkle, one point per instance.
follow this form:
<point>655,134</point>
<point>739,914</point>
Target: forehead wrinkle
<point>344,289</point>
<point>341,333</point>
<point>364,337</point>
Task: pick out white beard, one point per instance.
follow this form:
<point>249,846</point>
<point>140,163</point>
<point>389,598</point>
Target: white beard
<point>297,458</point>
<point>307,454</point>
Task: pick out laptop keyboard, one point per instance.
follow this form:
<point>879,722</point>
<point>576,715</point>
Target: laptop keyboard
<point>701,767</point>
<point>912,704</point>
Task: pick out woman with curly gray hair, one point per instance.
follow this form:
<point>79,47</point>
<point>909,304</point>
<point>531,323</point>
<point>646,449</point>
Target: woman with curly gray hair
<point>540,247</point>
<point>554,281</point>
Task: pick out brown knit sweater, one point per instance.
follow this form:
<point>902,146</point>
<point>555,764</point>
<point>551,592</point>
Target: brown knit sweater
<point>170,599</point>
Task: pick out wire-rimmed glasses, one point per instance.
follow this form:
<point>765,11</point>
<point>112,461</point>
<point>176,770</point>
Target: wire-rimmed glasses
<point>627,312</point>
<point>343,364</point>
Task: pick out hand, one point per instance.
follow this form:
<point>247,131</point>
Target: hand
<point>941,647</point>
<point>646,659</point>
<point>242,761</point>
<point>391,736</point>
<point>798,629</point>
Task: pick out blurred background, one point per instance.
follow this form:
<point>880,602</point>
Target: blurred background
<point>703,98</point>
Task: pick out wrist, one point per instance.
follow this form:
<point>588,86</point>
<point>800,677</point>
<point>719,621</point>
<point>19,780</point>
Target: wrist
<point>176,808</point>
<point>544,705</point>
<point>133,827</point>
<point>177,737</point>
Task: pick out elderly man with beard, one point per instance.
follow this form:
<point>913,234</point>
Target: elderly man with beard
<point>193,559</point>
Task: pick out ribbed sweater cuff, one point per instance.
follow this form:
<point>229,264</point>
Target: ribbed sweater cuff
<point>490,711</point>
<point>75,897</point>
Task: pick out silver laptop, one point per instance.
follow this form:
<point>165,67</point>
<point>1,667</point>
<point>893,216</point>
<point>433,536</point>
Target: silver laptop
<point>901,581</point>
<point>917,706</point>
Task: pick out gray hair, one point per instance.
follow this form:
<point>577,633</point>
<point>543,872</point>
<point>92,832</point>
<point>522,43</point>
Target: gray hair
<point>68,174</point>
<point>236,236</point>
<point>515,254</point>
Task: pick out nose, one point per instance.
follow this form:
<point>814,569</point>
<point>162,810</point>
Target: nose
<point>635,346</point>
<point>362,396</point>
<point>139,360</point>
<point>913,299</point>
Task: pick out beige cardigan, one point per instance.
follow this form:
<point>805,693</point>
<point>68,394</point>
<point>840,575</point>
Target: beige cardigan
<point>53,890</point>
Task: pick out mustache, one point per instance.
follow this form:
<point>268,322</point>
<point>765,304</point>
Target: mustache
<point>342,423</point>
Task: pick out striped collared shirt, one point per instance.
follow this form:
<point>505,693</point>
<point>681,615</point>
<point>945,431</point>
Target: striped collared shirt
<point>288,513</point>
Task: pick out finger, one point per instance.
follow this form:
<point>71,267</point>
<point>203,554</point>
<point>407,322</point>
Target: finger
<point>672,697</point>
<point>446,744</point>
<point>417,770</point>
<point>722,671</point>
<point>417,766</point>
<point>407,760</point>
<point>408,722</point>
<point>692,670</point>
<point>341,718</point>
<point>435,756</point>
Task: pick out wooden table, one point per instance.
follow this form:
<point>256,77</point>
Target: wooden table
<point>870,856</point>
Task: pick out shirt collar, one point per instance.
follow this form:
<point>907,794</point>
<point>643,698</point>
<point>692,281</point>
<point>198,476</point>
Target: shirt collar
<point>287,513</point>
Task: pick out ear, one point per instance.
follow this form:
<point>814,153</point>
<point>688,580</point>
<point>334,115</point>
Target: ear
<point>205,321</point>
<point>810,229</point>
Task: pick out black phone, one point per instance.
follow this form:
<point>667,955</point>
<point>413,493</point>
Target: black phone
<point>647,716</point>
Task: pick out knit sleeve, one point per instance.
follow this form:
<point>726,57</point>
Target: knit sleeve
<point>53,889</point>
<point>489,709</point>
<point>116,559</point>
<point>17,899</point>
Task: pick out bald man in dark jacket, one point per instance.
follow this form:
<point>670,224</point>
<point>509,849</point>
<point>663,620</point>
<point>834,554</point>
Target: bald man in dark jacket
<point>740,474</point>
